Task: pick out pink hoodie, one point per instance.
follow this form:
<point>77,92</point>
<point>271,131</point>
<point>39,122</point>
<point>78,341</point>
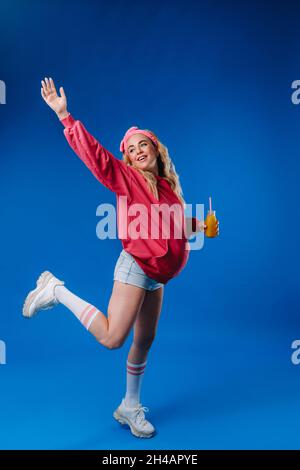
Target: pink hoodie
<point>161,259</point>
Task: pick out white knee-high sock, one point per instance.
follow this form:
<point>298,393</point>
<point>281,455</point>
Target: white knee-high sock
<point>134,378</point>
<point>85,312</point>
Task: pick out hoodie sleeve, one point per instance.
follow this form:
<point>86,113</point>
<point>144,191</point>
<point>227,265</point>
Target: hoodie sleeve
<point>111,172</point>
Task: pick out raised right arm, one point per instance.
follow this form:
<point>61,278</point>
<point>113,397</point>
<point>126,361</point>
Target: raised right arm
<point>111,172</point>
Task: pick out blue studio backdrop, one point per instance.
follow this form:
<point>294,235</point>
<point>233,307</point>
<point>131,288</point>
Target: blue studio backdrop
<point>213,79</point>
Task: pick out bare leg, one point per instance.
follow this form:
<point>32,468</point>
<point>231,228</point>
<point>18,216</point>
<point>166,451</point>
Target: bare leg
<point>144,332</point>
<point>123,308</point>
<point>145,326</point>
<point>124,305</point>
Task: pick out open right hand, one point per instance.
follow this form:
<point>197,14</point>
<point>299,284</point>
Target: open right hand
<point>57,103</point>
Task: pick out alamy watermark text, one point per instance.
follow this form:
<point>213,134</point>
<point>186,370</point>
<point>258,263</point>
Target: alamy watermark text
<point>2,92</point>
<point>2,352</point>
<point>136,221</point>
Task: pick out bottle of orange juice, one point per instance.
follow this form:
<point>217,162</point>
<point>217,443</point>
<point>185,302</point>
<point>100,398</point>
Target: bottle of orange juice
<point>211,222</point>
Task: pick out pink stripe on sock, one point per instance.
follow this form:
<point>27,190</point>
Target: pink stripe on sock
<point>131,364</point>
<point>84,312</point>
<point>134,373</point>
<point>88,316</point>
<point>92,319</point>
<point>135,370</point>
<point>136,366</point>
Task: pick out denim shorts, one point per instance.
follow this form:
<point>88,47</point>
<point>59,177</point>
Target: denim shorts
<point>129,272</point>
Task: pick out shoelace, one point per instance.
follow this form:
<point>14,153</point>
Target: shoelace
<point>140,416</point>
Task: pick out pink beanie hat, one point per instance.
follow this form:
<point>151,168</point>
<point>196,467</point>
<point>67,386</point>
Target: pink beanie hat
<point>135,130</point>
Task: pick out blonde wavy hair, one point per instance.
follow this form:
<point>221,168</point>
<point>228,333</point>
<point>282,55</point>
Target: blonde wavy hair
<point>166,169</point>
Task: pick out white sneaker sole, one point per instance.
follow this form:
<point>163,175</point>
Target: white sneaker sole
<point>123,420</point>
<point>28,307</point>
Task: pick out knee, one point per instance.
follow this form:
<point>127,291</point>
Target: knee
<point>112,343</point>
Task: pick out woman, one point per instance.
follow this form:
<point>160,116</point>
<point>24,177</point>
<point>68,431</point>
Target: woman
<point>145,178</point>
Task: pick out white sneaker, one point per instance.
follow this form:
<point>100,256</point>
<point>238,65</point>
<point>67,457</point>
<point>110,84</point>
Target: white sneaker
<point>42,297</point>
<point>135,418</point>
